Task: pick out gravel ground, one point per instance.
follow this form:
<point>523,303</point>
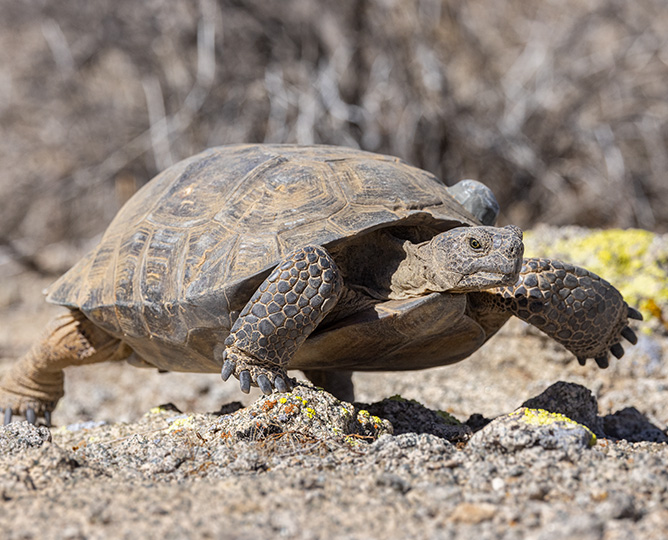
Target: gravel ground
<point>174,475</point>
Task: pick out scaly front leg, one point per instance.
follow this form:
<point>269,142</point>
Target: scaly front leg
<point>279,317</point>
<point>573,306</point>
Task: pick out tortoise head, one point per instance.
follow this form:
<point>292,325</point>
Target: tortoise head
<point>468,259</point>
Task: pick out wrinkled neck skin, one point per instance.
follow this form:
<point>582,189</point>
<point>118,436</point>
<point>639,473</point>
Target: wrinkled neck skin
<point>415,276</point>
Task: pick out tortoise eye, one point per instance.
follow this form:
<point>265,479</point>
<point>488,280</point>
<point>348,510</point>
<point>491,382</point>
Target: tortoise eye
<point>474,243</point>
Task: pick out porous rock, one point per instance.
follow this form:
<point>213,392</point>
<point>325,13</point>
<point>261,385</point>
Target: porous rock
<point>19,436</point>
<point>305,410</point>
<point>630,424</point>
<point>527,428</point>
<point>572,400</point>
<point>409,416</point>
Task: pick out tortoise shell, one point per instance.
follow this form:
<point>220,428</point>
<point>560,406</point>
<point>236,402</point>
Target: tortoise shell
<point>186,252</point>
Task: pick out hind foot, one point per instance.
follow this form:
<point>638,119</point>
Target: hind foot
<point>13,405</point>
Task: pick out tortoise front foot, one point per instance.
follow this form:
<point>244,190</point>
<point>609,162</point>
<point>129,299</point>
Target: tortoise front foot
<point>575,307</point>
<point>249,373</point>
<point>279,317</point>
<point>28,392</point>
<point>617,350</point>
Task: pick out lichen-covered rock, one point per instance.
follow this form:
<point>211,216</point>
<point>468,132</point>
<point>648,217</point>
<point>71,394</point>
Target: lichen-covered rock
<point>572,400</point>
<point>526,428</point>
<point>306,410</point>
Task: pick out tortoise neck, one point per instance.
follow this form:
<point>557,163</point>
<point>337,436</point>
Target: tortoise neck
<point>409,278</point>
<point>418,274</point>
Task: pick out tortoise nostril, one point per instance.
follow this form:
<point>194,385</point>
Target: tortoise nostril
<point>516,249</point>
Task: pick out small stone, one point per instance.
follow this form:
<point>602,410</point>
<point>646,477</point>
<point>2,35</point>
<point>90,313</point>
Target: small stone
<point>472,514</point>
<point>526,428</point>
<point>498,484</point>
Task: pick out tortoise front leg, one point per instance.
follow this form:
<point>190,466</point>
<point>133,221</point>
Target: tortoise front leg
<point>573,306</point>
<point>279,317</point>
<point>34,384</point>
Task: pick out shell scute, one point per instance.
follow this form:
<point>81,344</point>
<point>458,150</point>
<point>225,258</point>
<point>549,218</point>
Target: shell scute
<point>186,253</point>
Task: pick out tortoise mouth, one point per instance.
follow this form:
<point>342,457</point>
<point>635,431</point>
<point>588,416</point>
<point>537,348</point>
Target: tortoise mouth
<point>501,278</point>
<point>485,280</point>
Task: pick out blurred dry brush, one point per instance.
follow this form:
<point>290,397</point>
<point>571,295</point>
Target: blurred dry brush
<point>560,106</point>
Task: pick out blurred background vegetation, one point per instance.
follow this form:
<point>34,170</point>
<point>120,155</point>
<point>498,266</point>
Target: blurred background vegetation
<point>561,107</point>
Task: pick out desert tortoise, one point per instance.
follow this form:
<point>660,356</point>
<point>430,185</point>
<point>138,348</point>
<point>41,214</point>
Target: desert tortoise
<point>255,259</point>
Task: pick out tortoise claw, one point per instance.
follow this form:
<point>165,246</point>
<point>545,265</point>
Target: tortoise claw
<point>602,361</point>
<point>30,415</point>
<point>633,313</point>
<point>582,360</point>
<point>280,384</point>
<point>228,369</point>
<point>245,381</point>
<point>617,350</point>
<point>264,384</point>
<point>629,335</point>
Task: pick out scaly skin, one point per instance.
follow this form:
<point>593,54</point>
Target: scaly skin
<point>34,384</point>
<point>573,306</point>
<point>303,288</point>
<point>279,317</point>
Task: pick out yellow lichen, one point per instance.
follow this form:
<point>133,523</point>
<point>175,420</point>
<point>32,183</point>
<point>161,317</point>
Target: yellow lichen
<point>157,410</point>
<point>345,411</point>
<point>363,416</point>
<point>352,441</point>
<point>181,423</point>
<point>541,417</point>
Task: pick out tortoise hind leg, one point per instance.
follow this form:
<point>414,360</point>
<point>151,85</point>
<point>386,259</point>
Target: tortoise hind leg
<point>337,383</point>
<point>34,384</point>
